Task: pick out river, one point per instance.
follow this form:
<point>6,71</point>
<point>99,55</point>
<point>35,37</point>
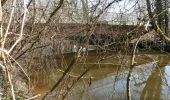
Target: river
<point>106,79</point>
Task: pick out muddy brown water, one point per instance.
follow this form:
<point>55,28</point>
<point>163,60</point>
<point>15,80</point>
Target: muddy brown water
<point>106,79</point>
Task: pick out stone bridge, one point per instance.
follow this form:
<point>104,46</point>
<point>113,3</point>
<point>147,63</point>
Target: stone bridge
<point>98,34</point>
<point>63,36</point>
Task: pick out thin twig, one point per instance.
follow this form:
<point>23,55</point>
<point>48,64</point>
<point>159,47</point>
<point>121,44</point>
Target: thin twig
<point>21,68</point>
<point>21,32</point>
<point>61,78</point>
<point>74,83</point>
<point>130,71</point>
<point>74,76</point>
<point>33,98</point>
<point>6,52</point>
<point>11,85</point>
<point>9,24</point>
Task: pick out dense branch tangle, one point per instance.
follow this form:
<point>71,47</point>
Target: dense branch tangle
<point>160,20</point>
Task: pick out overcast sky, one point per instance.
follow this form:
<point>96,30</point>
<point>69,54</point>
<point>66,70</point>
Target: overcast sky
<point>124,6</point>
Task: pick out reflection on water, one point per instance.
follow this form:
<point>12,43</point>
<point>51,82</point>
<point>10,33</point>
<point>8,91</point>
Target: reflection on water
<point>150,79</point>
<point>109,89</point>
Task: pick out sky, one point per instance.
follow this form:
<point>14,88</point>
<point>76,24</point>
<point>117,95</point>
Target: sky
<point>124,6</point>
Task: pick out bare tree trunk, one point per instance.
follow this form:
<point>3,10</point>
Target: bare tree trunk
<point>150,13</point>
<point>166,16</point>
<point>162,13</point>
<point>159,9</point>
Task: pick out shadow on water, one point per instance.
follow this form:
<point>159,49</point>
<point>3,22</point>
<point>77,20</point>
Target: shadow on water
<point>150,79</point>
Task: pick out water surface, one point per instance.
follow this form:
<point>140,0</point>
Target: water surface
<point>106,79</point>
